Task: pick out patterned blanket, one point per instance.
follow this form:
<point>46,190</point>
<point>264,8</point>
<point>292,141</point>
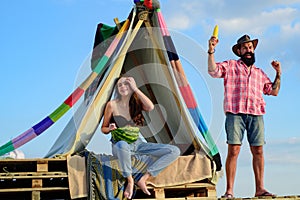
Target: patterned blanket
<point>104,179</point>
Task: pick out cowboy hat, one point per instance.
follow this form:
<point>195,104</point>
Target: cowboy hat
<point>241,40</point>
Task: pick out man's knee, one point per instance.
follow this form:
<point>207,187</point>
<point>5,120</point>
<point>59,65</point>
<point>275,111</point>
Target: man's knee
<point>233,151</point>
<point>257,150</point>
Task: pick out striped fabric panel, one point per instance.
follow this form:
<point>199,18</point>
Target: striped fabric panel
<point>101,64</point>
<point>185,88</point>
<point>162,23</point>
<point>23,138</point>
<point>112,47</point>
<point>108,176</point>
<point>42,125</point>
<point>8,147</point>
<point>73,98</point>
<point>188,96</point>
<point>198,119</point>
<point>170,47</point>
<point>59,112</point>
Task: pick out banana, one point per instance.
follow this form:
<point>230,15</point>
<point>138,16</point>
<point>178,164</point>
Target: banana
<point>216,31</point>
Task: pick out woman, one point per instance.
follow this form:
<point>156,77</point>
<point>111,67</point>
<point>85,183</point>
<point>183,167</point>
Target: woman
<point>126,111</point>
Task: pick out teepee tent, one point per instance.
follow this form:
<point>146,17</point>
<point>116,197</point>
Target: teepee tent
<point>141,47</point>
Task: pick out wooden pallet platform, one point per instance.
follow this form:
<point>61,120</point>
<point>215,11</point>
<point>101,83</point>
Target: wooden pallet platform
<point>180,192</point>
<point>47,179</point>
<point>34,179</point>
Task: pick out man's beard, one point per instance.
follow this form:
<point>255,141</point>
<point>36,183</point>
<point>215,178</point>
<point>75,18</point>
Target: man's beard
<point>248,61</point>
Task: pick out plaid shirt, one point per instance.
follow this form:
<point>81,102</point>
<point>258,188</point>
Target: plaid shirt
<point>243,88</point>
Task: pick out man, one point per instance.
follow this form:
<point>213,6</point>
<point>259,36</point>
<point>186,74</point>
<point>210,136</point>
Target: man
<point>244,106</point>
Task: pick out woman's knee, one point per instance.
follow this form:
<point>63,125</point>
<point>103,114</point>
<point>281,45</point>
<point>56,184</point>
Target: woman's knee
<point>121,145</point>
<point>174,150</point>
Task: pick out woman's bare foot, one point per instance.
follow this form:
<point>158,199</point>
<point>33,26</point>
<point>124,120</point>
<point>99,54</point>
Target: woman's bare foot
<point>129,188</point>
<point>142,183</point>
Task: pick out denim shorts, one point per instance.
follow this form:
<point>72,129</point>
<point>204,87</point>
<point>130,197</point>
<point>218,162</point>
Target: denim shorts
<point>237,124</point>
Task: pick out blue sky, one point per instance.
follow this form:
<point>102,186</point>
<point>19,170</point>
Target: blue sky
<point>45,43</point>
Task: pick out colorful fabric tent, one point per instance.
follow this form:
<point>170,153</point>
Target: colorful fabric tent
<point>142,47</point>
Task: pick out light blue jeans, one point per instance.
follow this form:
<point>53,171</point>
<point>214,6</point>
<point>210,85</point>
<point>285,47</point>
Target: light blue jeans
<point>162,155</point>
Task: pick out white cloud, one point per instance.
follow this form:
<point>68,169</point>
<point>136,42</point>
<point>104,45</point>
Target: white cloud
<point>260,22</point>
<point>232,17</point>
<point>181,22</point>
<point>291,29</point>
<point>182,15</point>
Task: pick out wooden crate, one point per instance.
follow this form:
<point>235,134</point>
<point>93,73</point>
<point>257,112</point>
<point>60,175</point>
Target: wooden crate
<point>34,179</point>
<point>191,191</point>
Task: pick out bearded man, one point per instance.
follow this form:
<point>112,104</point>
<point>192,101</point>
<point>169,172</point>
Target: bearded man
<point>244,106</point>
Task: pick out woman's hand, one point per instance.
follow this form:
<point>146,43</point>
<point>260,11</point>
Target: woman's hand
<point>132,83</point>
<point>112,126</point>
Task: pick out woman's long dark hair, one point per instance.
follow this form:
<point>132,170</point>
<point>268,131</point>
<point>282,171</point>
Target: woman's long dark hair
<point>135,110</point>
<point>135,105</point>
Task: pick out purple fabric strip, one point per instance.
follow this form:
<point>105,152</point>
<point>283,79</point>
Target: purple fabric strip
<point>23,138</point>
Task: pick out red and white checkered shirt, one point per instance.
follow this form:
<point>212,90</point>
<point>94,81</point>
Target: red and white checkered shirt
<point>243,88</point>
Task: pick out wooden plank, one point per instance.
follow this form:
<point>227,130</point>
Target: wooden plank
<point>201,193</point>
<point>211,192</point>
<point>184,191</point>
<point>159,193</point>
<point>33,177</point>
<point>26,175</point>
<point>199,185</point>
<point>9,166</point>
<point>36,195</point>
<point>42,165</point>
<point>188,185</point>
<point>37,183</point>
<point>31,160</point>
<point>34,189</point>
